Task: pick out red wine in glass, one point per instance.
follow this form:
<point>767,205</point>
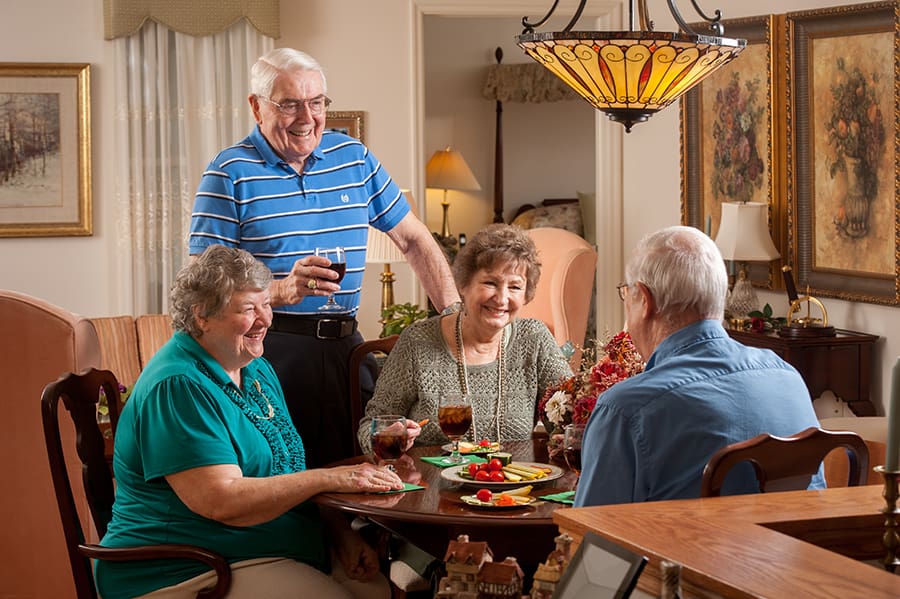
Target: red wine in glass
<point>340,268</point>
<point>339,265</point>
<point>573,458</point>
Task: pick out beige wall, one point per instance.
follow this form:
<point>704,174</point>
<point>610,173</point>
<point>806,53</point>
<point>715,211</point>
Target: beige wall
<point>371,62</point>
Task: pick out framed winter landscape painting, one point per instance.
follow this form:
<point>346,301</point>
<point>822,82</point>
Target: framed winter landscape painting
<point>45,150</point>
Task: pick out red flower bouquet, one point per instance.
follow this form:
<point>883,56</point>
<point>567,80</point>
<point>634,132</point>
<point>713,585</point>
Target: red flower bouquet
<point>573,399</point>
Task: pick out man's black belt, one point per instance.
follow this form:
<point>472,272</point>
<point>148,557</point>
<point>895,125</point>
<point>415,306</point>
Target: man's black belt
<point>320,328</point>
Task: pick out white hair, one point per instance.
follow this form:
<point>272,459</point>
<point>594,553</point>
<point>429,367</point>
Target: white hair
<point>274,62</point>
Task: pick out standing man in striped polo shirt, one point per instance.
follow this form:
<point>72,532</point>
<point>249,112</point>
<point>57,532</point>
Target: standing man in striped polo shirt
<point>286,189</point>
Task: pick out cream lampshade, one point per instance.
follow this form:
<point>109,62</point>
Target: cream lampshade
<point>381,250</point>
<point>447,169</point>
<point>744,237</point>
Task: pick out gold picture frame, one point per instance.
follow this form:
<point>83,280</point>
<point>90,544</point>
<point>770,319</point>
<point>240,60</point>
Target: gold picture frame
<point>844,195</point>
<point>352,122</point>
<point>45,162</point>
<point>737,109</point>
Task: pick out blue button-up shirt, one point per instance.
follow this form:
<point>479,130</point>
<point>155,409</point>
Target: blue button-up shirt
<point>650,436</point>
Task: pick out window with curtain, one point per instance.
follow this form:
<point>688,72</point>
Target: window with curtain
<point>180,99</point>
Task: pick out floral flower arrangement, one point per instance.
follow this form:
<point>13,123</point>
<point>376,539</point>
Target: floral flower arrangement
<point>856,127</point>
<point>573,399</point>
<point>738,168</point>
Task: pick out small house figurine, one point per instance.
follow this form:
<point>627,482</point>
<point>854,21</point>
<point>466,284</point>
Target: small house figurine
<point>548,574</point>
<point>463,562</point>
<point>500,580</point>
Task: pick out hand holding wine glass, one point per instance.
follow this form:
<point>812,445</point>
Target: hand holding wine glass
<point>339,265</point>
<point>388,437</point>
<point>454,418</point>
<point>572,447</point>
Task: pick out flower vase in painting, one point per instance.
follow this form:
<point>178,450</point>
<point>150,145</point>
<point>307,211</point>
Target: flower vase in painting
<point>738,169</point>
<point>856,133</point>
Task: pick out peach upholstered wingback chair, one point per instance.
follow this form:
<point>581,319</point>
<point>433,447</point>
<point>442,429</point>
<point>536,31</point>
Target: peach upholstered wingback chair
<point>563,298</point>
<point>40,342</point>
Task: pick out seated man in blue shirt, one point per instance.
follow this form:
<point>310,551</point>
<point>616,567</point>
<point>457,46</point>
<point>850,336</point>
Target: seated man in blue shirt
<point>650,436</point>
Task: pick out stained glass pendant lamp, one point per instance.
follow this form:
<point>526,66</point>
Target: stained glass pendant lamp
<point>630,75</point>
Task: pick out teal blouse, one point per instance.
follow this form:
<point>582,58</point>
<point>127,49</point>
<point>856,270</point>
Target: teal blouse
<point>184,412</point>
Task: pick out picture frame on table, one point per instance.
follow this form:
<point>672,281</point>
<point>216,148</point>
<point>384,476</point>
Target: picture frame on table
<point>45,155</point>
<point>732,138</point>
<point>352,123</point>
<point>844,221</point>
<point>600,569</point>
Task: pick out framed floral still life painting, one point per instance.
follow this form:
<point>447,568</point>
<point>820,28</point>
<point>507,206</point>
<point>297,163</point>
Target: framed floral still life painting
<point>352,123</point>
<point>845,214</point>
<point>730,150</point>
<point>45,150</point>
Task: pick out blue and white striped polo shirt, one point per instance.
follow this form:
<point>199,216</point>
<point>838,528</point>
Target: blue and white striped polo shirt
<point>250,198</point>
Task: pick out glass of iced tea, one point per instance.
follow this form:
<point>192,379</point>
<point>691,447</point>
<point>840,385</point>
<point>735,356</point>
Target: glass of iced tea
<point>572,447</point>
<point>454,418</point>
<point>388,438</point>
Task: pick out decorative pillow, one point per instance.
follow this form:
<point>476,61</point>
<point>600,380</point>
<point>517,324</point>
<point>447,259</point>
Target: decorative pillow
<point>525,219</point>
<point>563,216</point>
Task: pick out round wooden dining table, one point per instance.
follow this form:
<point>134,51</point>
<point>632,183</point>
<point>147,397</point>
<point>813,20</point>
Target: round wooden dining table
<point>432,517</point>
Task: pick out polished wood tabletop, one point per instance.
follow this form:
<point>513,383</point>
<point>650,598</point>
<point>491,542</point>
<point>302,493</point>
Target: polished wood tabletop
<point>775,545</point>
<point>432,517</point>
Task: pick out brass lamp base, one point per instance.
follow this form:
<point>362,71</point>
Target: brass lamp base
<point>387,289</point>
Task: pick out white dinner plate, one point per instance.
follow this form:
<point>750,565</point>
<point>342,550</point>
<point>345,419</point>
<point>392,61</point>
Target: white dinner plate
<point>452,474</point>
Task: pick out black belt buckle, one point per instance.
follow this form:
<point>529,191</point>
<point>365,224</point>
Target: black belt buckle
<point>332,329</point>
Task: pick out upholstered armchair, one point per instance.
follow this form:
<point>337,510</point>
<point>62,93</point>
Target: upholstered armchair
<point>40,342</point>
<point>563,298</point>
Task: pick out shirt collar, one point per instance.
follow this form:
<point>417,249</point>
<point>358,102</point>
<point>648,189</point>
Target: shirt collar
<point>196,351</point>
<point>268,154</point>
<point>702,330</point>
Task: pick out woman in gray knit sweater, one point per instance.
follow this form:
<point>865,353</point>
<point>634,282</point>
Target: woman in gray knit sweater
<point>505,364</point>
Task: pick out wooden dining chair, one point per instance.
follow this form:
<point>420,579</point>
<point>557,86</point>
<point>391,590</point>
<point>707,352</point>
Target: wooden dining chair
<point>383,345</point>
<point>786,463</point>
<point>79,394</point>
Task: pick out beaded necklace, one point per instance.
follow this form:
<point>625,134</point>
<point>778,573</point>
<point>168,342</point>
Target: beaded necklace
<point>463,374</point>
<point>288,454</point>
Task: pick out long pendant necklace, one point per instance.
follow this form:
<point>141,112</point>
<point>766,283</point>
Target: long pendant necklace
<point>463,374</point>
<point>288,453</point>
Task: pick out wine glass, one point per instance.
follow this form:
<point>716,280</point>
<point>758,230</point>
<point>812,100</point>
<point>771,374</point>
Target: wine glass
<point>454,418</point>
<point>573,433</point>
<point>338,265</point>
<point>389,437</point>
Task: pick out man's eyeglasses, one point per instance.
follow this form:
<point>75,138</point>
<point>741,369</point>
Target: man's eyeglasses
<point>621,287</point>
<point>316,106</point>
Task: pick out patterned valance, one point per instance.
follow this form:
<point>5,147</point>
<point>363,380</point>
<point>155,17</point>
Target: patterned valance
<point>197,17</point>
<point>525,83</point>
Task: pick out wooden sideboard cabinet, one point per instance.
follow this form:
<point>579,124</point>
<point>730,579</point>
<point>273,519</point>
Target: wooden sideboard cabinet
<point>841,364</point>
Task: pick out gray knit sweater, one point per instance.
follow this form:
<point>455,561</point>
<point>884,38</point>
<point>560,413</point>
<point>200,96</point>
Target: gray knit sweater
<point>421,368</point>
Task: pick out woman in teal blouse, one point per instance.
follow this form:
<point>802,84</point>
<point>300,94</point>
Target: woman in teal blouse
<point>206,454</point>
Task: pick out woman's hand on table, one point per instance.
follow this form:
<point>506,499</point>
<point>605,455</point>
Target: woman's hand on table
<point>364,478</point>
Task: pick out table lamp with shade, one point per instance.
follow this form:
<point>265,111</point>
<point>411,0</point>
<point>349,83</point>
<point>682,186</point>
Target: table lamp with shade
<point>744,237</point>
<point>380,249</point>
<point>447,169</point>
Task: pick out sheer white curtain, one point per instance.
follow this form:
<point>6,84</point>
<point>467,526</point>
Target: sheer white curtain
<point>179,100</point>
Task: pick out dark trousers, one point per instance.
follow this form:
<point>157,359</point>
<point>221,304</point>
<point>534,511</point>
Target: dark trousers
<point>314,376</point>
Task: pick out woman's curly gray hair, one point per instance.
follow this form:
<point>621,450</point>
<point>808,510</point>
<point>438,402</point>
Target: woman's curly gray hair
<point>494,245</point>
<point>209,281</point>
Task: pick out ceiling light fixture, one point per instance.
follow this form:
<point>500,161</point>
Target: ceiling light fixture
<point>630,75</point>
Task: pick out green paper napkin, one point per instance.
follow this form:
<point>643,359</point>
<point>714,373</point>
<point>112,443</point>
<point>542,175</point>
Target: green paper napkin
<point>406,487</point>
<point>438,460</point>
<point>567,497</point>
